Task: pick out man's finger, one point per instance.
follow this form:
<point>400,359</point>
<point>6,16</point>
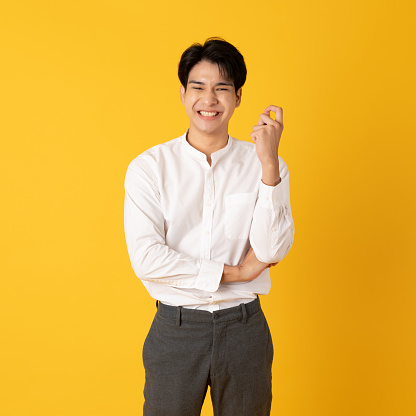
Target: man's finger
<point>278,113</point>
<point>257,127</point>
<point>265,119</point>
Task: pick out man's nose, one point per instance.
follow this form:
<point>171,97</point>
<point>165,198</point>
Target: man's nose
<point>210,97</point>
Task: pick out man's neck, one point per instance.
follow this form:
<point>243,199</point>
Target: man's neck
<point>207,143</point>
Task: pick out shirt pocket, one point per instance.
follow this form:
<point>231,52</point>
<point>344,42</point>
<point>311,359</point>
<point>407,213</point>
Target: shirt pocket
<point>239,210</point>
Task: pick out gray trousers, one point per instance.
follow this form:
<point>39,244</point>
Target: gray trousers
<point>187,350</point>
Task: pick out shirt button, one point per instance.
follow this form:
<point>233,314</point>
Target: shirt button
<point>209,204</point>
<point>206,232</point>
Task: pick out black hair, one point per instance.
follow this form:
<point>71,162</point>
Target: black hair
<point>217,51</point>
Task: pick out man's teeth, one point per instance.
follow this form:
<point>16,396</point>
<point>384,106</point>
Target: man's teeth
<point>208,114</point>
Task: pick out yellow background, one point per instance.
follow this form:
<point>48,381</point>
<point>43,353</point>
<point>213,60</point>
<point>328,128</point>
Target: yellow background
<point>86,86</point>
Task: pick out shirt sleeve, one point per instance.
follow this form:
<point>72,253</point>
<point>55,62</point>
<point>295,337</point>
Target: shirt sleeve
<point>272,229</point>
<point>144,226</point>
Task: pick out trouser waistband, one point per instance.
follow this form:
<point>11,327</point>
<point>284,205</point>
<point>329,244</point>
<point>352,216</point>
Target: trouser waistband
<point>243,311</point>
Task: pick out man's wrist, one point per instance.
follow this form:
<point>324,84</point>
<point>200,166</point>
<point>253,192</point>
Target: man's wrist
<point>270,173</point>
<point>231,274</point>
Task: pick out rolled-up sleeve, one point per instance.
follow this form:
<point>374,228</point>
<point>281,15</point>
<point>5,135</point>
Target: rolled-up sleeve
<point>151,259</point>
<point>272,229</point>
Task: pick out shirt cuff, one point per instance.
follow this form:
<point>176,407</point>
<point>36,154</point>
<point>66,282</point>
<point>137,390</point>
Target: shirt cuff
<point>209,276</point>
<point>274,196</point>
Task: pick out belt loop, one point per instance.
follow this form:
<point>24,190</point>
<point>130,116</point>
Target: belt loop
<point>243,309</point>
<point>178,316</point>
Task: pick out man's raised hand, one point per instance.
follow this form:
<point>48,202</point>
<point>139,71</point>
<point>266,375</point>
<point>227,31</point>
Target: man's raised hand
<point>266,135</point>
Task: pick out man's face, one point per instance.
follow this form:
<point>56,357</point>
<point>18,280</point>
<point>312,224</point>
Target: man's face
<point>209,99</point>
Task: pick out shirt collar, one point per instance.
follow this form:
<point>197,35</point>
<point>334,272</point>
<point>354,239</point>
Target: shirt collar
<point>196,154</point>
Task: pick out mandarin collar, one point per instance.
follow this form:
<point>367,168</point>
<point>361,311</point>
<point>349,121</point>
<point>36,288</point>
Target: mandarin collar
<point>196,154</point>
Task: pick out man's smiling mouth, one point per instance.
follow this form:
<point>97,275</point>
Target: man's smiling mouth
<point>208,113</point>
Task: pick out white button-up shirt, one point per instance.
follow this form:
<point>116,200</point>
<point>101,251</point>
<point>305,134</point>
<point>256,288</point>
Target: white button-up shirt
<point>185,219</point>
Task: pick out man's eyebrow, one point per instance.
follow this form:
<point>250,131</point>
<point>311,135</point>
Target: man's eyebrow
<point>229,84</point>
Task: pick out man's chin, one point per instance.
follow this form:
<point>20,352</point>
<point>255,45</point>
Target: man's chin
<point>210,130</point>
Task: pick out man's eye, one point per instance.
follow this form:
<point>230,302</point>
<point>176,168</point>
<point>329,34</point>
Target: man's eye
<point>197,88</point>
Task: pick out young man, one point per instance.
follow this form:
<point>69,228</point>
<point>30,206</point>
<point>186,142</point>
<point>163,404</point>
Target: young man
<point>205,217</point>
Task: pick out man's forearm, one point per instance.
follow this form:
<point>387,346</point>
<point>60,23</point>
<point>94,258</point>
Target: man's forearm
<point>231,274</point>
<point>248,270</point>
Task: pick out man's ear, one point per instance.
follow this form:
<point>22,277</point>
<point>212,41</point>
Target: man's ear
<point>238,99</point>
<point>182,93</point>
